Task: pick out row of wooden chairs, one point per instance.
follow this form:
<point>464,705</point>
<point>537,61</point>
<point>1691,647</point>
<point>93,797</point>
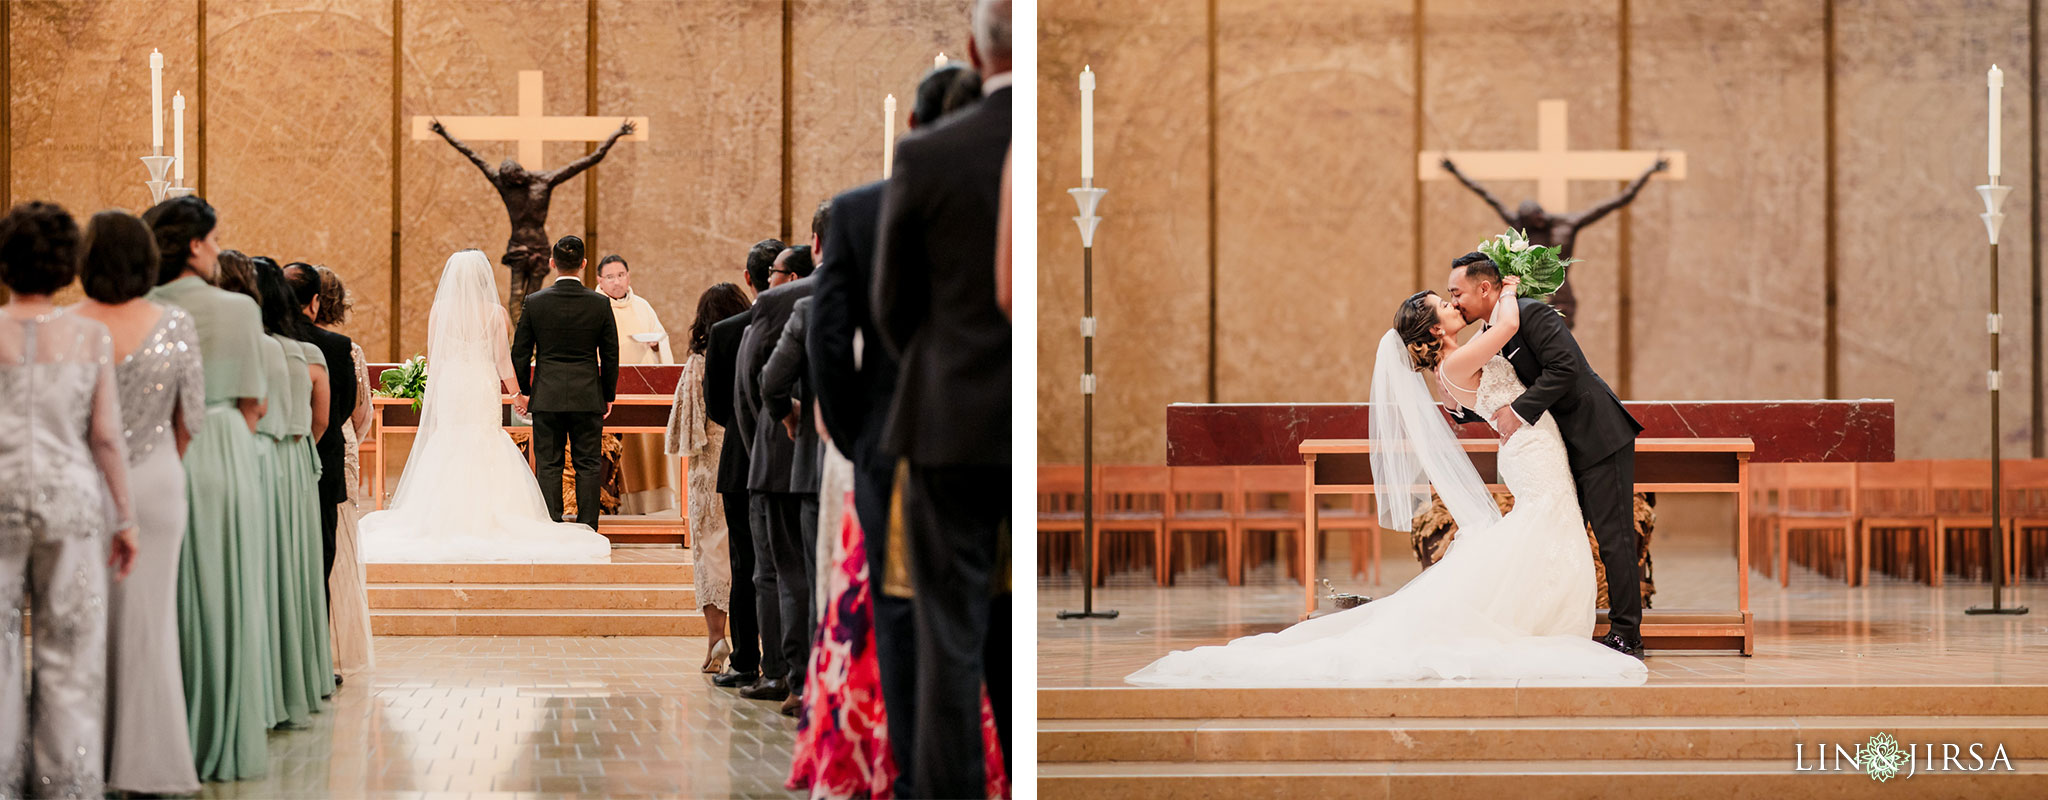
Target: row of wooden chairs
<point>1919,520</point>
<point>1161,506</point>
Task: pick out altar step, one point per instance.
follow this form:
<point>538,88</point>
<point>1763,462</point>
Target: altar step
<point>655,529</point>
<point>1506,741</point>
<point>483,599</point>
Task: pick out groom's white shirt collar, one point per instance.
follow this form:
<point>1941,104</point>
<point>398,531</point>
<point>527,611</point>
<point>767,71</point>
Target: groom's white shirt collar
<point>576,278</point>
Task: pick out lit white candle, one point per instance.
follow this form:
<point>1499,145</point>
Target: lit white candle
<point>1087,123</point>
<point>1996,81</point>
<point>178,138</point>
<point>156,101</point>
<point>939,61</point>
<point>888,135</point>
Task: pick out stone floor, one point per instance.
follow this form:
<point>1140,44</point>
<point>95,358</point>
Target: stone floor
<point>1816,630</point>
<point>532,717</point>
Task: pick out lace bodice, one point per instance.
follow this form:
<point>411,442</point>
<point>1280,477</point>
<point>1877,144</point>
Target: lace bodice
<point>161,378</point>
<point>58,401</point>
<point>1534,459</point>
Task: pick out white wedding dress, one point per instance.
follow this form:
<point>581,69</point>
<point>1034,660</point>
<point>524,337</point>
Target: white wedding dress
<point>1511,600</point>
<point>467,494</point>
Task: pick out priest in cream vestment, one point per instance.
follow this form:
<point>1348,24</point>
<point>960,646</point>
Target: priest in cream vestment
<point>649,486</point>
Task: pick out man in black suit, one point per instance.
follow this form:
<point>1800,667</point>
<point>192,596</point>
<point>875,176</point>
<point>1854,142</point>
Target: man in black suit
<point>749,616</point>
<point>935,305</point>
<point>573,384</point>
<point>1599,434</point>
<point>778,551</point>
<point>341,405</point>
<point>854,401</point>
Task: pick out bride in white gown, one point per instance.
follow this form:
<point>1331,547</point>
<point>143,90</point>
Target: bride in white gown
<point>1511,599</point>
<point>467,495</point>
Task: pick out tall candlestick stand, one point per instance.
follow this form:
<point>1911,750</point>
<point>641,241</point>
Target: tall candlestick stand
<point>1086,199</point>
<point>158,164</point>
<point>1994,198</point>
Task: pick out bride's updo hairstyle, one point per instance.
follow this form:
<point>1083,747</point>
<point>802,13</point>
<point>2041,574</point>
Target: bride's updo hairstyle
<point>1413,321</point>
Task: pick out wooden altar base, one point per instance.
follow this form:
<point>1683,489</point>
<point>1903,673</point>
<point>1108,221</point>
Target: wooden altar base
<point>1832,665</point>
<point>643,592</point>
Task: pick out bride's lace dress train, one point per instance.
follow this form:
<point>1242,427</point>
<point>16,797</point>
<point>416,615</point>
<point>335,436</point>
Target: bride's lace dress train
<point>1513,600</point>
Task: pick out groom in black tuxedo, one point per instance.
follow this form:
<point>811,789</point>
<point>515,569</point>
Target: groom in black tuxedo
<point>1599,435</point>
<point>573,382</point>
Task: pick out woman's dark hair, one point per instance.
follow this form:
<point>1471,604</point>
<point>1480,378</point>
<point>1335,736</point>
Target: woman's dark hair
<point>1412,322</point>
<point>117,259</point>
<point>177,222</point>
<point>944,90</point>
<point>236,272</point>
<point>280,314</point>
<point>334,303</point>
<point>715,305</point>
<point>38,248</point>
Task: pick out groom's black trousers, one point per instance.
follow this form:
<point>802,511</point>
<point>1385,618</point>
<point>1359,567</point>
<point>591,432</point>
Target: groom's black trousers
<point>1607,491</point>
<point>584,431</point>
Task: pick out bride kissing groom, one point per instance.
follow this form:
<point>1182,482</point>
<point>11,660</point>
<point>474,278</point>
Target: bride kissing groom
<point>1513,597</point>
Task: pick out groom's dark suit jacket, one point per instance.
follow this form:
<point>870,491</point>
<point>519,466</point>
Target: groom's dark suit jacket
<point>1548,361</point>
<point>568,323</point>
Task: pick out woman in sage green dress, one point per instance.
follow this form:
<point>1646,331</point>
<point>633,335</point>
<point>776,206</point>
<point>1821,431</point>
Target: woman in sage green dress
<point>304,649</point>
<point>237,273</point>
<point>221,610</point>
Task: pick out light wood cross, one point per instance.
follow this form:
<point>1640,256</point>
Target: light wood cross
<point>529,128</point>
<point>1552,165</point>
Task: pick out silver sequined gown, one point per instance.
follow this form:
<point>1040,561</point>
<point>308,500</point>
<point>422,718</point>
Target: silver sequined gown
<point>148,748</point>
<point>61,464</point>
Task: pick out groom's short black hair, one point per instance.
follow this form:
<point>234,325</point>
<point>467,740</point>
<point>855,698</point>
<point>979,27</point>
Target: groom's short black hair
<point>568,254</point>
<point>1478,266</point>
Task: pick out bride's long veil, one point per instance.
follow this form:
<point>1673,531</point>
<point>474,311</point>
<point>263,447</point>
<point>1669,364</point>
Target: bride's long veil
<point>463,329</point>
<point>1413,449</point>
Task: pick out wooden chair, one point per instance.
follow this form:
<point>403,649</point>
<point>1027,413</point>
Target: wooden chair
<point>1355,513</point>
<point>1962,501</point>
<point>1203,500</point>
<point>2026,505</point>
<point>1893,497</point>
<point>1256,487</point>
<point>1817,498</point>
<point>1764,489</point>
<point>1059,512</point>
<point>1132,499</point>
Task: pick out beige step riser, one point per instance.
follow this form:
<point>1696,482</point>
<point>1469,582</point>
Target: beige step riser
<point>471,624</point>
<point>1492,701</point>
<point>464,597</point>
<point>1665,786</point>
<point>1517,744</point>
<point>612,574</point>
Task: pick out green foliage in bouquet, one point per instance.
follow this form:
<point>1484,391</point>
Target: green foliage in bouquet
<point>406,380</point>
<point>1539,267</point>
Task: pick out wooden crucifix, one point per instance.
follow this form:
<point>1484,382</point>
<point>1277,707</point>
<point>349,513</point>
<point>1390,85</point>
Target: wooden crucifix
<point>522,183</point>
<point>1553,166</point>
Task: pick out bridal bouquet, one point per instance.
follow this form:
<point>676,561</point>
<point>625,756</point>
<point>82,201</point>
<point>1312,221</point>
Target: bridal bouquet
<point>406,380</point>
<point>1539,267</point>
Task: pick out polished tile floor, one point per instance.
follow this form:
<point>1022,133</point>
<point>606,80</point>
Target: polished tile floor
<point>531,717</point>
<point>1816,630</point>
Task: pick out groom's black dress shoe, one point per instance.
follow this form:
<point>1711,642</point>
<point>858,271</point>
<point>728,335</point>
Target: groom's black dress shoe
<point>1614,640</point>
<point>735,680</point>
<point>769,689</point>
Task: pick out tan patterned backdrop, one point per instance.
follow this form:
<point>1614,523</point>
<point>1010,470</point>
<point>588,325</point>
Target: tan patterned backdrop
<point>1299,120</point>
<point>297,124</point>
